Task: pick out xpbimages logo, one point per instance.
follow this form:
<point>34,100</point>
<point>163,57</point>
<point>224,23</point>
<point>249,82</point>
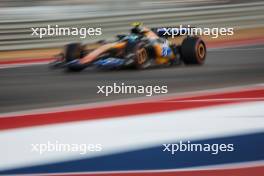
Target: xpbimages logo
<point>188,30</point>
<point>195,147</point>
<point>131,89</point>
<point>65,31</point>
<point>65,147</point>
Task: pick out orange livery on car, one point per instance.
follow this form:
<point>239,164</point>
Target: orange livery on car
<point>140,49</point>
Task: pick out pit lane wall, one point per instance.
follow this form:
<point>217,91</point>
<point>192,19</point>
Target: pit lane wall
<point>15,29</point>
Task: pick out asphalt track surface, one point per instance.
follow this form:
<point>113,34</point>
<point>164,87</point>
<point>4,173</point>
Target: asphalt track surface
<point>33,87</point>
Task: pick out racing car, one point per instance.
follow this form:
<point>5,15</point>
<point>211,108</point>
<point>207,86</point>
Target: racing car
<point>141,48</point>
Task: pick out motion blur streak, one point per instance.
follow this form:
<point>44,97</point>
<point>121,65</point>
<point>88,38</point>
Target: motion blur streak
<point>38,87</point>
<point>132,109</point>
<point>256,171</point>
<point>220,102</point>
<point>115,16</point>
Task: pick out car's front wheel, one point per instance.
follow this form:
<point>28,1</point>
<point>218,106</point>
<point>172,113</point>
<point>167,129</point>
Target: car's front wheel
<point>72,52</point>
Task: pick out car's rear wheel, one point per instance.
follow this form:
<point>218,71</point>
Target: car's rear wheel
<point>193,51</point>
<point>141,56</point>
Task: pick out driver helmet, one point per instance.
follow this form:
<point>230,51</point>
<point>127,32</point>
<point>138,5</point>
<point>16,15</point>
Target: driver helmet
<point>137,29</point>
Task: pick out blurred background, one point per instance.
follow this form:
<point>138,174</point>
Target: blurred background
<point>35,86</point>
<point>114,16</point>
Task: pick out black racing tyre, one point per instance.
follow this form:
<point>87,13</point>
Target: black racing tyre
<point>193,51</point>
<point>72,51</point>
<point>141,55</point>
